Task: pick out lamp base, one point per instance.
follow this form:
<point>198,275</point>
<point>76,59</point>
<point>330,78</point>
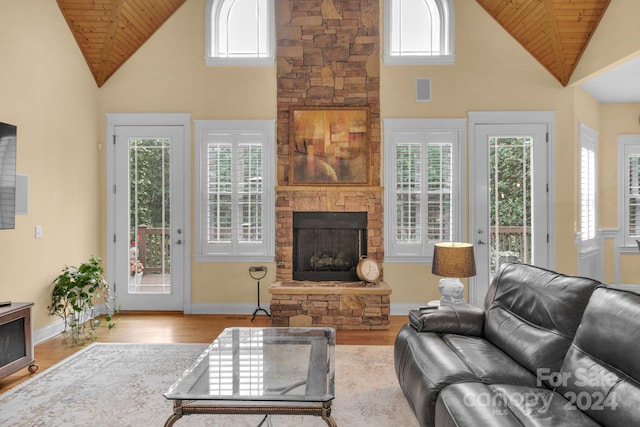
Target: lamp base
<point>451,291</point>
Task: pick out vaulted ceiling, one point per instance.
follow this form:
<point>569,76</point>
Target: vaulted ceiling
<point>555,32</point>
<point>110,31</point>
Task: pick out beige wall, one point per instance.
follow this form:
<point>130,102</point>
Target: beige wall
<point>46,89</point>
<point>48,92</point>
<point>615,40</point>
<point>617,119</point>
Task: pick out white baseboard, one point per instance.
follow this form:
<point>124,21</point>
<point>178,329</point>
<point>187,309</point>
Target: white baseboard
<point>48,331</point>
<point>402,309</point>
<point>57,328</point>
<point>225,308</point>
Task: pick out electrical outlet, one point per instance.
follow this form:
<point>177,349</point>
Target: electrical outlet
<point>38,232</point>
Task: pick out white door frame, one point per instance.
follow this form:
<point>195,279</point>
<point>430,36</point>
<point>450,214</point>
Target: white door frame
<point>478,288</point>
<point>151,119</point>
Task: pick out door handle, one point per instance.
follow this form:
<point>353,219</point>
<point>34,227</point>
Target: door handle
<point>179,242</point>
<point>481,242</point>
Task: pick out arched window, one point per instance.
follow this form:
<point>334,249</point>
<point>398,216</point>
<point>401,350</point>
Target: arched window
<point>239,32</point>
<point>418,32</point>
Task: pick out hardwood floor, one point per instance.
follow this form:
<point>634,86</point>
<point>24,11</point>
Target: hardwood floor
<point>175,327</point>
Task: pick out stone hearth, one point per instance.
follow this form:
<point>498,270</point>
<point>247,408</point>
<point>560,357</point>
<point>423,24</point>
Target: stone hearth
<point>340,305</point>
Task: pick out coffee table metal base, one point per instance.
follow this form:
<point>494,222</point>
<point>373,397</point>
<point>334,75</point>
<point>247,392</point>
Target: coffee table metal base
<point>189,407</point>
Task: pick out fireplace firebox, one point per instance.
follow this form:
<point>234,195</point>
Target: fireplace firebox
<point>328,245</point>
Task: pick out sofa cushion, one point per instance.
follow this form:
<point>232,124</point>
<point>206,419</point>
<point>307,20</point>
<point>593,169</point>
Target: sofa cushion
<point>601,371</point>
<point>488,362</point>
<point>532,313</point>
<point>502,405</point>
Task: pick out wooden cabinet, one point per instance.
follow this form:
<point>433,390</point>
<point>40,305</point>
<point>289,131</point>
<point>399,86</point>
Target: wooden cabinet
<point>16,345</point>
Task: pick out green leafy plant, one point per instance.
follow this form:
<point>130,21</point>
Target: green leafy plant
<point>75,294</point>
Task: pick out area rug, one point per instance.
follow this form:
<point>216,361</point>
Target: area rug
<point>110,384</point>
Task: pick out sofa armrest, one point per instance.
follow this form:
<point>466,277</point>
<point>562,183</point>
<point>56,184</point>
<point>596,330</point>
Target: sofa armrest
<point>450,319</point>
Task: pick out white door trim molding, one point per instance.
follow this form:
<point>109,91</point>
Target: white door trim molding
<point>152,119</point>
<point>476,297</point>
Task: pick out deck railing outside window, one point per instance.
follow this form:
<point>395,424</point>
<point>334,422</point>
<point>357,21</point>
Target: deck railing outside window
<point>151,242</point>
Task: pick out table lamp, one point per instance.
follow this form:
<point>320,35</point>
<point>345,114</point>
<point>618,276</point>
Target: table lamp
<point>453,260</point>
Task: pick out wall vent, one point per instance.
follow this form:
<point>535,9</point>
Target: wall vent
<point>423,90</point>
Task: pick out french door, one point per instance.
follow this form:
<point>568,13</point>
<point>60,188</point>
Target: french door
<point>509,189</point>
<point>149,261</point>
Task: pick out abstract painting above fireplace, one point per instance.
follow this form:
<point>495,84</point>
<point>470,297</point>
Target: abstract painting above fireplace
<point>329,145</point>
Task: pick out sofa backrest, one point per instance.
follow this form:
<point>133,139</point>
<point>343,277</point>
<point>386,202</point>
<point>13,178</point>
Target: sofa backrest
<point>532,314</point>
<point>601,372</point>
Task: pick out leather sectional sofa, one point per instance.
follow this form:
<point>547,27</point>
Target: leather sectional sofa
<point>546,350</point>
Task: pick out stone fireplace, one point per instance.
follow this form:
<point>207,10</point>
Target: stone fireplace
<point>327,55</point>
<point>328,245</point>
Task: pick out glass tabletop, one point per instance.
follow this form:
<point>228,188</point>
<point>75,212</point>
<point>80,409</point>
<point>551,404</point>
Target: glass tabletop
<point>274,364</point>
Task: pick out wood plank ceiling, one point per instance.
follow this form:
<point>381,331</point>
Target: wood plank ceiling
<point>108,32</point>
<point>555,32</point>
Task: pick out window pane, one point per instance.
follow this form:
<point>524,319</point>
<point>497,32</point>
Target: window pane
<point>439,215</point>
<point>633,196</point>
<point>219,192</point>
<point>416,28</point>
<point>250,192</point>
<point>587,193</point>
<point>242,28</point>
<point>408,192</point>
<point>510,199</point>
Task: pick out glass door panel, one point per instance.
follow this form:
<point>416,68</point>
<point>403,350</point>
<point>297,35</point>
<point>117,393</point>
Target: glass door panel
<point>510,200</point>
<point>150,215</point>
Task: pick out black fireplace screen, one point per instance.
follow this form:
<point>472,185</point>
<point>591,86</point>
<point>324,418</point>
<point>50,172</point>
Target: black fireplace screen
<point>328,245</point>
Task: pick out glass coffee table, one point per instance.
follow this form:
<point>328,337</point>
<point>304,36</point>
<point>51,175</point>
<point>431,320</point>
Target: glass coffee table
<point>283,371</point>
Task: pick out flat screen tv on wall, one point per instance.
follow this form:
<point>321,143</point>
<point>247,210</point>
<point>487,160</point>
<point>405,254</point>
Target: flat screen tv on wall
<point>8,135</point>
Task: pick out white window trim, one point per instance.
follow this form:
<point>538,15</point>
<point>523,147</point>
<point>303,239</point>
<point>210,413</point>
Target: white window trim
<point>627,144</point>
<point>420,59</point>
<point>393,127</point>
<point>210,60</point>
<point>202,127</point>
<point>588,140</point>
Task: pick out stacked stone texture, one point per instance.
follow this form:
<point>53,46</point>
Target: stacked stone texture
<point>327,56</point>
<point>364,308</point>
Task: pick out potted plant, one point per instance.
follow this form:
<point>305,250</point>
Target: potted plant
<point>75,294</point>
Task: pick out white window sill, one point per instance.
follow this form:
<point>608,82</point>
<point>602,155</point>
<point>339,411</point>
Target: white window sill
<point>239,62</point>
<point>419,60</point>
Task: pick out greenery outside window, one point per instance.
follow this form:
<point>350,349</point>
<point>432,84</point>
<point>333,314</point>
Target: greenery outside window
<point>424,181</point>
<point>235,183</point>
<point>239,32</point>
<point>419,32</point>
